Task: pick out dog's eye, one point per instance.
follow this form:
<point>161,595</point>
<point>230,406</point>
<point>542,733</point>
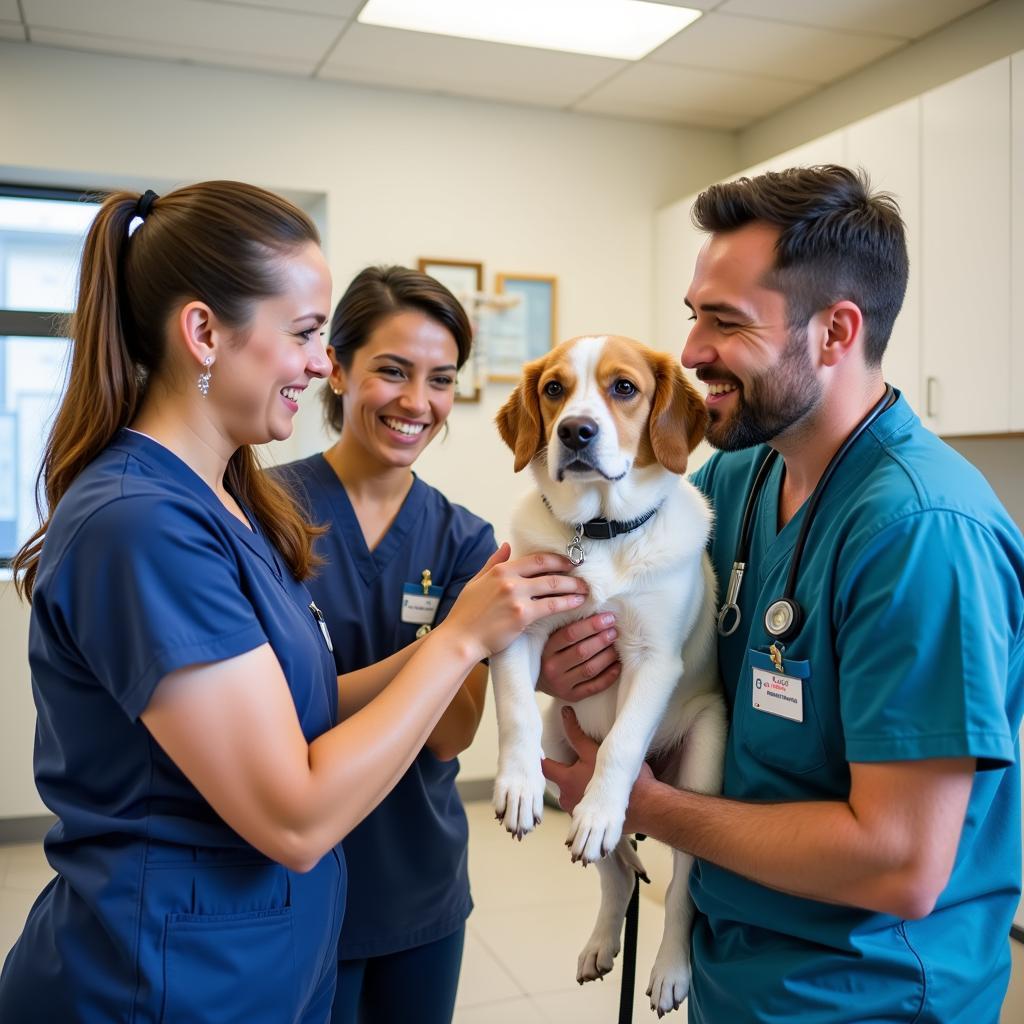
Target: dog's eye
<point>552,389</point>
<point>624,388</point>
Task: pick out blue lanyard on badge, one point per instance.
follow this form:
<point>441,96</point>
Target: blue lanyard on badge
<point>420,601</point>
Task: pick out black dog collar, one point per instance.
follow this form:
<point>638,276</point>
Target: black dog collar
<point>599,529</point>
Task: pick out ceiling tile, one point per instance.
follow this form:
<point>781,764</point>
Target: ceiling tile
<point>717,98</point>
<point>466,67</point>
<point>908,18</point>
<point>169,51</point>
<point>759,47</point>
<point>12,30</point>
<point>177,26</point>
<point>334,8</point>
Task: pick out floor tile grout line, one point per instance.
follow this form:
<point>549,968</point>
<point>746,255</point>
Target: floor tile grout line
<point>498,961</point>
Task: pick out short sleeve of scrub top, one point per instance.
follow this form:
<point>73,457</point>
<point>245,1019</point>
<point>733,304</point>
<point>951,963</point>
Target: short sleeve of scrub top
<point>924,668</point>
<point>165,597</point>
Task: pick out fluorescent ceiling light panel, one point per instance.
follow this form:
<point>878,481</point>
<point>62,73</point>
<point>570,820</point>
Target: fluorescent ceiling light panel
<point>624,29</point>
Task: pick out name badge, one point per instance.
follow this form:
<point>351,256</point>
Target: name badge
<point>778,694</point>
<point>418,606</point>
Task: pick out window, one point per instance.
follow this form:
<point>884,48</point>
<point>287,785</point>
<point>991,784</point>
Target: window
<point>41,237</point>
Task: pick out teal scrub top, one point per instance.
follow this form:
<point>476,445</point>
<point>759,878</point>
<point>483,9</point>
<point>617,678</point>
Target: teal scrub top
<point>912,585</point>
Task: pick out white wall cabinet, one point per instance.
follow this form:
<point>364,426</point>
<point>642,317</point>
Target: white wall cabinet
<point>965,203</point>
<point>957,349</point>
<point>886,145</point>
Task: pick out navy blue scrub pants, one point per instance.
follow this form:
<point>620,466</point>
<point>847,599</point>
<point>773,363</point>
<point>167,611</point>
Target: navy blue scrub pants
<point>196,936</point>
<point>384,989</point>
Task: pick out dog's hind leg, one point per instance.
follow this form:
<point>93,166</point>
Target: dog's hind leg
<point>698,767</point>
<point>618,876</point>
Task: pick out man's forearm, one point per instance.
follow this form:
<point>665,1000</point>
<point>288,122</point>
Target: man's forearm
<point>819,850</point>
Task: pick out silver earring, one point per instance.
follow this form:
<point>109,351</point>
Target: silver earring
<point>204,378</point>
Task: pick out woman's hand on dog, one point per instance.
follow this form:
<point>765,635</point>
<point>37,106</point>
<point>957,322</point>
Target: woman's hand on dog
<point>572,779</point>
<point>580,659</point>
<point>505,597</point>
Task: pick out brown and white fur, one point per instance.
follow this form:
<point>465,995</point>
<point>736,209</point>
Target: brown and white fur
<point>659,583</point>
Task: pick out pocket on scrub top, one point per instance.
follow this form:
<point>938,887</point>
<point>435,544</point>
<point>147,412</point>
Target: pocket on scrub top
<point>230,968</point>
<point>773,739</point>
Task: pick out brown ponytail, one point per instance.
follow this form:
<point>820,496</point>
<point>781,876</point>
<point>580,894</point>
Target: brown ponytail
<point>216,242</point>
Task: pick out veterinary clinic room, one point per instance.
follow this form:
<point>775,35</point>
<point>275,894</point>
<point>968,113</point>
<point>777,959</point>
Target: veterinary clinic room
<point>511,511</point>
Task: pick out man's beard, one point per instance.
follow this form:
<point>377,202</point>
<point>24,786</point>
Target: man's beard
<point>771,403</point>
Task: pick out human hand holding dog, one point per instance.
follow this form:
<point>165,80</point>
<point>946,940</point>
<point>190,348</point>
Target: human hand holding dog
<point>505,597</point>
<point>580,659</point>
<point>572,779</point>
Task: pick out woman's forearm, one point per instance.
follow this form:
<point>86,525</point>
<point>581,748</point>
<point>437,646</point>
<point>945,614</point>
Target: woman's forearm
<point>354,766</point>
<point>461,719</point>
<point>357,688</point>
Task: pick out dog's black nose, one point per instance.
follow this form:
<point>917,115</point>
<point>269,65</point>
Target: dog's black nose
<point>577,432</point>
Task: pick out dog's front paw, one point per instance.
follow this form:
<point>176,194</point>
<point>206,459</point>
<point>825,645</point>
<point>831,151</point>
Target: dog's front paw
<point>519,799</point>
<point>670,981</point>
<point>596,829</point>
<point>597,956</point>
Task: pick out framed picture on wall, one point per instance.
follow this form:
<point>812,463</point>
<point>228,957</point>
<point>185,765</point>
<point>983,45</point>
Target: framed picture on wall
<point>465,280</point>
<point>525,330</point>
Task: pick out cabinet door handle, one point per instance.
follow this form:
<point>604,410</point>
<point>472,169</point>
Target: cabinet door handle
<point>930,406</point>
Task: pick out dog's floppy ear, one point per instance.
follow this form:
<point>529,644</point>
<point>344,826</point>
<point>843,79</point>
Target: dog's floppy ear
<point>519,419</point>
<point>678,416</point>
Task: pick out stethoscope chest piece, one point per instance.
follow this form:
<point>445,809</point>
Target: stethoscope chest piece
<point>782,618</point>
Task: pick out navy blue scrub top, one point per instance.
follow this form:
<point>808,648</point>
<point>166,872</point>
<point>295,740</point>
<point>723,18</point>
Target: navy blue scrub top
<point>159,909</point>
<point>407,860</point>
<point>144,571</point>
<point>912,583</point>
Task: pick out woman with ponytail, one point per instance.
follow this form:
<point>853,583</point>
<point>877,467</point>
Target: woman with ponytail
<point>188,737</point>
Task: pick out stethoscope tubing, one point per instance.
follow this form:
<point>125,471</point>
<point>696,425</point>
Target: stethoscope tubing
<point>727,626</point>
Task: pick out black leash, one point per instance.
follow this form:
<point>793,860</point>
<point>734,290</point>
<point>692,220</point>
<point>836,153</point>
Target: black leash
<point>629,947</point>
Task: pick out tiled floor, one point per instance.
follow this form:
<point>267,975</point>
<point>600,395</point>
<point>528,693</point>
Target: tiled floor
<point>534,909</point>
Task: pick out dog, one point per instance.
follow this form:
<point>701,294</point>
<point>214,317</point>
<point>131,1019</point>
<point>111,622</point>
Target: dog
<point>606,426</point>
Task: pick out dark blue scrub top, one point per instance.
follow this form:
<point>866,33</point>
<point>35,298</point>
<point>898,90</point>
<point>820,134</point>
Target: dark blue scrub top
<point>912,583</point>
<point>143,571</point>
<point>407,860</point>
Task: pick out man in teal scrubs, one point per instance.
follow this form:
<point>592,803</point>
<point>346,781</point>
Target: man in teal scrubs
<point>863,863</point>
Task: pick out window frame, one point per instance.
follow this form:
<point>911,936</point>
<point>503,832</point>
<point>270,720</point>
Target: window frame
<point>39,323</point>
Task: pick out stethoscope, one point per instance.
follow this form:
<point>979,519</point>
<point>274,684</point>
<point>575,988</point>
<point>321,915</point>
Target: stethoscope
<point>784,617</point>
